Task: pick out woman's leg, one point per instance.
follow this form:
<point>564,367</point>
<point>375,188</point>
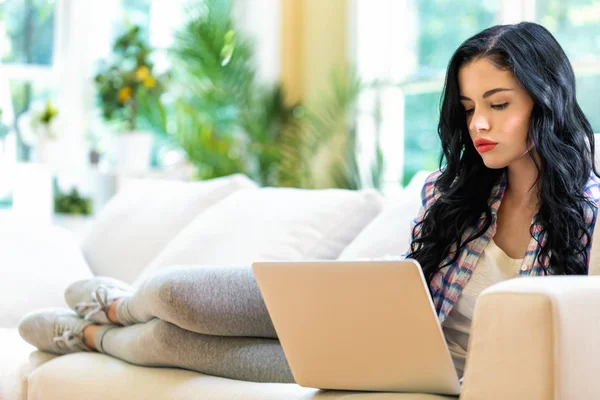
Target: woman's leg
<point>157,343</point>
<point>221,301</point>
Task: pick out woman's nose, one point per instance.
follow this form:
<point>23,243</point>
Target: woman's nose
<point>479,122</point>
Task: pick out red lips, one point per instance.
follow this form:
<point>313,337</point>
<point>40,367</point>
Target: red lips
<point>484,145</point>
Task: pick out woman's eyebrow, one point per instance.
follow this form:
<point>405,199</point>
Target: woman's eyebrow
<point>487,94</point>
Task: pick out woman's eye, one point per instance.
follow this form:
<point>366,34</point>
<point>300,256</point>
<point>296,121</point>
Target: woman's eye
<point>499,106</point>
<point>469,112</point>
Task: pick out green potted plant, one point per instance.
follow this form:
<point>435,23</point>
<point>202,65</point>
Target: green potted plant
<point>227,121</point>
<point>127,85</point>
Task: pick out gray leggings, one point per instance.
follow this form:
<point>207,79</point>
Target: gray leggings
<point>207,319</point>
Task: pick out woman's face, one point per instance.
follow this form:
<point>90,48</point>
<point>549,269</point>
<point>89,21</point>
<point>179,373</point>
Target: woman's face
<point>497,109</point>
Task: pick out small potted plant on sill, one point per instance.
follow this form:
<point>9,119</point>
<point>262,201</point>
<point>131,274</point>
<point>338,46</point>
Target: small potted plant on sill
<point>43,125</point>
<point>72,210</point>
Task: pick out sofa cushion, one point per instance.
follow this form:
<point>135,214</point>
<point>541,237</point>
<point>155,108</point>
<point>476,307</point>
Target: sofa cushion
<point>38,263</point>
<point>143,217</point>
<point>100,377</point>
<point>273,224</point>
<point>17,360</point>
<point>389,233</point>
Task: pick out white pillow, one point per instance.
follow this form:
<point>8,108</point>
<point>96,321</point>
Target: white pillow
<point>389,233</point>
<point>144,217</point>
<point>272,224</point>
<point>38,263</point>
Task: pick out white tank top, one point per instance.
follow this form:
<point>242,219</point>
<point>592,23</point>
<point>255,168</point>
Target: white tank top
<point>493,266</point>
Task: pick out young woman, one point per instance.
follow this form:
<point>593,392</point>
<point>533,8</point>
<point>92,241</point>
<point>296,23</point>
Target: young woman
<point>517,196</point>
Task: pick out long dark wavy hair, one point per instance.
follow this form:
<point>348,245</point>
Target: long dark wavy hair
<point>559,133</point>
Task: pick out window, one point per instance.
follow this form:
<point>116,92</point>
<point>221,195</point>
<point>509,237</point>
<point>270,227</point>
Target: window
<point>27,47</point>
<point>27,31</point>
<point>576,26</point>
<point>401,50</point>
<point>49,50</point>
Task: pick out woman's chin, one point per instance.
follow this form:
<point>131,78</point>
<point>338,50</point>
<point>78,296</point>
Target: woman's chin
<point>493,163</point>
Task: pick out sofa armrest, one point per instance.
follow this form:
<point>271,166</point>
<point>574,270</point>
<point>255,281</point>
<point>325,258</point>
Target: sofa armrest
<point>37,263</point>
<point>535,338</point>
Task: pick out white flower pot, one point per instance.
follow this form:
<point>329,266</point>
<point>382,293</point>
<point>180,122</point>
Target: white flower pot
<point>44,147</point>
<point>131,151</point>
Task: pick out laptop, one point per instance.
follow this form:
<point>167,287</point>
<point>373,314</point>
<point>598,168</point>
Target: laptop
<point>358,325</point>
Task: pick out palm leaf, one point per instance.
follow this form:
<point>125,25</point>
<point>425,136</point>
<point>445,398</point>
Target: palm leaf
<point>329,136</point>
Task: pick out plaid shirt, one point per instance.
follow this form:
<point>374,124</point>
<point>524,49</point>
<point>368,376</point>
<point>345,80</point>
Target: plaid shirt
<point>449,282</point>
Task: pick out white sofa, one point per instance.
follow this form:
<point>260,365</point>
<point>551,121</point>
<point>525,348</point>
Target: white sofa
<point>532,338</point>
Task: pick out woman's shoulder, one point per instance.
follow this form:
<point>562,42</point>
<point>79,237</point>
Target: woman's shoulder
<point>592,189</point>
<point>592,194</point>
<point>433,177</point>
<point>429,194</point>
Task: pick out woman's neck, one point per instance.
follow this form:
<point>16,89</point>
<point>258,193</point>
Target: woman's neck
<point>521,185</point>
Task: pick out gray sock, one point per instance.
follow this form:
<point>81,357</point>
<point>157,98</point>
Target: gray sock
<point>100,336</point>
<point>123,314</point>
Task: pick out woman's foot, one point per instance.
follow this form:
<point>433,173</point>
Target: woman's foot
<point>58,331</point>
<point>95,299</point>
<point>89,335</point>
<point>112,311</point>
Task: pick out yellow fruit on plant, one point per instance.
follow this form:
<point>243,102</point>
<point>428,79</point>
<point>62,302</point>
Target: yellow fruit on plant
<point>142,73</point>
<point>150,82</point>
<point>124,94</point>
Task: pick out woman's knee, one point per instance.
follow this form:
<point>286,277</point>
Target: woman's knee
<point>171,294</point>
<point>209,300</point>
